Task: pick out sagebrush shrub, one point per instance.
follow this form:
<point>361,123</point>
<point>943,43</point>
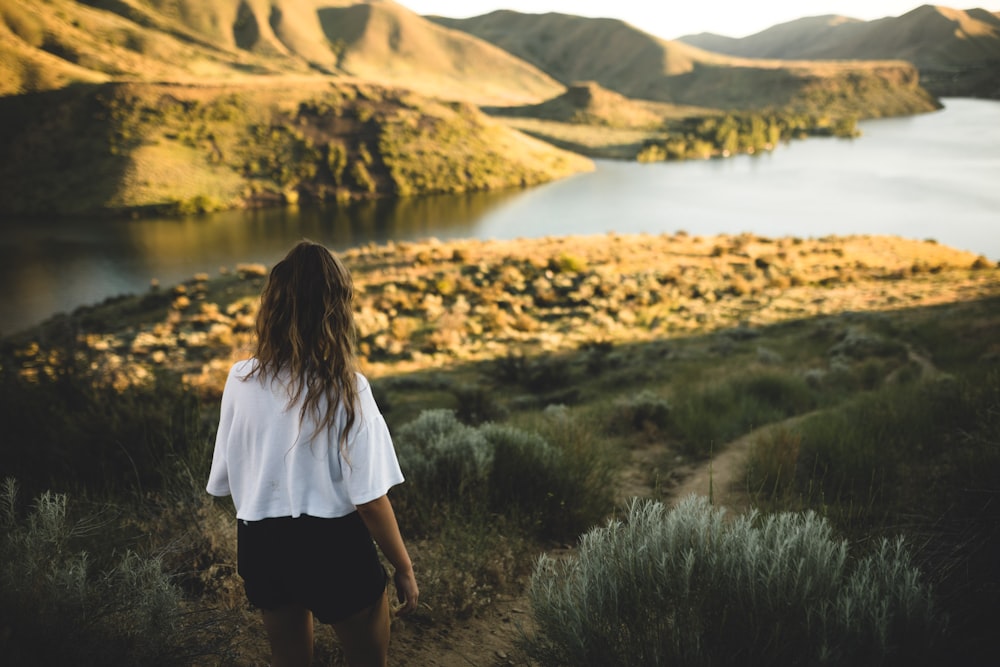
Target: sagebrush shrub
<point>690,587</point>
<point>442,454</point>
<point>60,606</point>
<point>529,480</point>
<point>555,490</point>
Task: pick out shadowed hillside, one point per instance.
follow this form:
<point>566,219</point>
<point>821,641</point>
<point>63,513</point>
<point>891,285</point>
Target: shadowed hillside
<point>639,65</point>
<point>48,44</point>
<point>956,51</point>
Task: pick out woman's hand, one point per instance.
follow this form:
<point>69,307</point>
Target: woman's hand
<point>407,591</point>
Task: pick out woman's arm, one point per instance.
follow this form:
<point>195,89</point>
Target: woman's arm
<point>381,522</point>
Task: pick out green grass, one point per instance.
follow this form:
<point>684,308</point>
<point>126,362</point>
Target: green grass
<point>111,607</point>
<point>69,433</point>
<point>920,457</point>
<point>706,418</point>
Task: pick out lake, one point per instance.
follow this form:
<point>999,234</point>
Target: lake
<point>929,176</point>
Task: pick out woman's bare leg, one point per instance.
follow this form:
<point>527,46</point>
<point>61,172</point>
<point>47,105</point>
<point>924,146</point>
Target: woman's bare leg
<point>365,636</point>
<point>290,632</point>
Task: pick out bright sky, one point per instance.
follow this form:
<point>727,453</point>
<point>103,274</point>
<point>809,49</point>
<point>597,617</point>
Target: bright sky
<point>670,19</point>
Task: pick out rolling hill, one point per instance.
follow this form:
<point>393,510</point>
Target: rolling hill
<point>639,65</point>
<point>956,51</point>
<point>589,103</point>
<point>48,44</point>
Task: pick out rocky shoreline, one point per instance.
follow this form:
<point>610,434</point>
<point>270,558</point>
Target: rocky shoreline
<point>431,304</point>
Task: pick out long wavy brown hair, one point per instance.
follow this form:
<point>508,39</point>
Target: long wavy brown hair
<point>305,327</point>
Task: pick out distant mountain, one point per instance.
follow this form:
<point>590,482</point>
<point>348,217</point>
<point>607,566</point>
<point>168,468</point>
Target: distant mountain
<point>957,51</point>
<point>503,58</point>
<point>624,59</point>
<point>45,44</point>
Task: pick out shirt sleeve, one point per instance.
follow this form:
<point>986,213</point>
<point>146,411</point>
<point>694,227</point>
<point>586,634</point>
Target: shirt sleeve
<point>371,467</point>
<point>218,477</point>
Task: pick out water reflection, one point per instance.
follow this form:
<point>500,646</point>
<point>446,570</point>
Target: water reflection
<point>54,266</point>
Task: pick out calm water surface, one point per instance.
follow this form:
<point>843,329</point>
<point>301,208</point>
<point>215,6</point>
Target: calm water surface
<point>930,176</point>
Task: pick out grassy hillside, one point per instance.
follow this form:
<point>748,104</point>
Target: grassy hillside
<point>169,149</point>
<point>639,65</point>
<point>384,42</point>
<point>582,371</point>
<point>184,40</point>
<point>47,43</point>
<point>593,121</point>
<point>180,106</point>
<point>956,51</point>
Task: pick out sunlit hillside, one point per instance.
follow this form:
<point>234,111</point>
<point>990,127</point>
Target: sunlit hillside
<point>172,149</point>
<point>640,65</point>
<point>957,51</point>
<point>49,44</point>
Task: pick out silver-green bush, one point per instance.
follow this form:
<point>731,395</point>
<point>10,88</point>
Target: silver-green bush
<point>554,490</point>
<point>440,453</point>
<point>60,606</point>
<point>690,586</point>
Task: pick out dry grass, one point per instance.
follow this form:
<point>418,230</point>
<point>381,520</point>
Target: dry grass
<point>191,41</point>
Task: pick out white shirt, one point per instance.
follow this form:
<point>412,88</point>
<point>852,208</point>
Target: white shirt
<point>273,467</point>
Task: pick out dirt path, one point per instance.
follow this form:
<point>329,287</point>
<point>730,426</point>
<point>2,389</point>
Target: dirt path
<point>487,640</point>
<point>490,639</point>
<point>721,478</point>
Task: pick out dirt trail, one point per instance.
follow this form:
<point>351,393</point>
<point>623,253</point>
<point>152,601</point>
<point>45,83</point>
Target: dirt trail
<point>491,639</point>
<point>722,478</point>
<point>487,640</point>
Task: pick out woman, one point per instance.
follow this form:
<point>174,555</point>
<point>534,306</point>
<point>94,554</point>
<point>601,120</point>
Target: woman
<point>307,458</point>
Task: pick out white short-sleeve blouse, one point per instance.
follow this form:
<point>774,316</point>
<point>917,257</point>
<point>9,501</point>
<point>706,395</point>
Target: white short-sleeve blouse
<point>273,466</point>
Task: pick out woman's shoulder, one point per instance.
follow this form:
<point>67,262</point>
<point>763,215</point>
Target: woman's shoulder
<point>362,384</point>
<point>242,367</point>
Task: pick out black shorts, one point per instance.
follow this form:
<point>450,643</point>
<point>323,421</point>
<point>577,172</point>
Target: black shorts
<point>329,566</point>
